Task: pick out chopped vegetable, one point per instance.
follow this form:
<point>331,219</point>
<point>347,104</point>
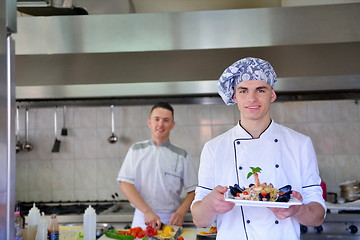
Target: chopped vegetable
<point>113,234</point>
<point>150,231</point>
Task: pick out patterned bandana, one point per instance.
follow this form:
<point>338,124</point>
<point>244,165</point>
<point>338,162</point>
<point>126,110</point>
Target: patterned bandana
<point>243,70</point>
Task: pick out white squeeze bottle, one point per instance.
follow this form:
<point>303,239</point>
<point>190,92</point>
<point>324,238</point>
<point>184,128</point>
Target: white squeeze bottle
<point>33,218</point>
<point>42,230</point>
<point>90,223</point>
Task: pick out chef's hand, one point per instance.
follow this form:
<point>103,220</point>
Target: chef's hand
<point>151,219</point>
<point>216,200</point>
<point>282,213</point>
<point>177,219</point>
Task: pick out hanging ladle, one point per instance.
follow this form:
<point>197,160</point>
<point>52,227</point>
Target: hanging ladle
<point>18,146</point>
<point>57,142</point>
<point>64,130</point>
<point>27,146</point>
<point>113,138</point>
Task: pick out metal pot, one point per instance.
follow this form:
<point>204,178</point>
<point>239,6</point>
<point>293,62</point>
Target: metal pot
<point>350,183</point>
<point>350,190</point>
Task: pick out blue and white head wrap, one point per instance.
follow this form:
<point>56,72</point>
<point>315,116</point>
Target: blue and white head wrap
<point>243,70</point>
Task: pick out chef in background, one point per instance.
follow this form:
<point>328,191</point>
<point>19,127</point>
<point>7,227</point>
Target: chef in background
<point>283,155</point>
<point>155,172</point>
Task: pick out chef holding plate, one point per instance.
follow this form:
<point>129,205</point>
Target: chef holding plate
<point>284,156</point>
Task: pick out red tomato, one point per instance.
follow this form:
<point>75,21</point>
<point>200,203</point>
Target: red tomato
<point>141,234</point>
<point>180,238</point>
<point>135,231</point>
<point>150,231</point>
<point>245,193</point>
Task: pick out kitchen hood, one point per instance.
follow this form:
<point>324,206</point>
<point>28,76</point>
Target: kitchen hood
<point>49,8</point>
<point>313,49</point>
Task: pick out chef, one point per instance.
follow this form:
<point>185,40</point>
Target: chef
<point>155,172</point>
<point>283,155</point>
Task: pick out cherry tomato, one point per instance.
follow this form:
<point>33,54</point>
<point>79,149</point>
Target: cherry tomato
<point>245,193</point>
<point>180,238</point>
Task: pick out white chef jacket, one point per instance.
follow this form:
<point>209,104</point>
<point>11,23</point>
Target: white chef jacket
<point>285,157</point>
<point>159,173</point>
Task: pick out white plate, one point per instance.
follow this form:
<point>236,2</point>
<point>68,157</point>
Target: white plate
<point>253,203</point>
<point>210,234</point>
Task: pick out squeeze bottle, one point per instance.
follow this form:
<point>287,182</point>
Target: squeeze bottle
<point>33,216</point>
<point>42,230</point>
<point>90,223</point>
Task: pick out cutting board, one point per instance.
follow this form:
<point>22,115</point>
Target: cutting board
<point>188,234</point>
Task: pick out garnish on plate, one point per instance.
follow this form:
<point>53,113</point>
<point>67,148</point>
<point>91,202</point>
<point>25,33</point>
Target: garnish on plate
<point>260,191</point>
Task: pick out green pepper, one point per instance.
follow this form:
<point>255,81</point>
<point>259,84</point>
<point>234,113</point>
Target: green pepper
<point>112,234</point>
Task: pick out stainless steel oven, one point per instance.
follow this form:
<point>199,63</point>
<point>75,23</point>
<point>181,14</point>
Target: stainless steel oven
<point>341,222</point>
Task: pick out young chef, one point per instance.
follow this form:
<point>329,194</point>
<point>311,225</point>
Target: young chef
<point>285,157</point>
<point>154,173</point>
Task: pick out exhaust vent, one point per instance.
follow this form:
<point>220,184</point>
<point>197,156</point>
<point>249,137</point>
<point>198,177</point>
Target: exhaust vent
<point>50,8</point>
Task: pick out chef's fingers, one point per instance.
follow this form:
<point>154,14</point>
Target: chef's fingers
<point>176,219</point>
<point>158,224</point>
<point>297,195</point>
<point>221,189</point>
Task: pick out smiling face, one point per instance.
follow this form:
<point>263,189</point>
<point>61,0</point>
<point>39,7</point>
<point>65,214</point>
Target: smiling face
<point>161,122</point>
<point>253,99</point>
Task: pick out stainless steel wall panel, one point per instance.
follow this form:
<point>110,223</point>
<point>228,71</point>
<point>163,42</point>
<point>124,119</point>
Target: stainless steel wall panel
<point>56,55</point>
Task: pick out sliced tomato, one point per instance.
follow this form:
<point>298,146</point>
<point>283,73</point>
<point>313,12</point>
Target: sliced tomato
<point>150,231</point>
<point>141,234</point>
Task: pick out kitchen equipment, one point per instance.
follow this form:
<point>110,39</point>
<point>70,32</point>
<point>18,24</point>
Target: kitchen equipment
<point>342,222</point>
<point>113,138</point>
<point>56,146</point>
<point>64,131</point>
<point>331,197</point>
<point>27,146</point>
<point>350,190</point>
<point>18,146</point>
<point>178,233</point>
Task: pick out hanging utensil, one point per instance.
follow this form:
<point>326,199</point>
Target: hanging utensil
<point>56,146</point>
<point>113,138</point>
<point>18,146</point>
<point>64,131</point>
<point>27,146</point>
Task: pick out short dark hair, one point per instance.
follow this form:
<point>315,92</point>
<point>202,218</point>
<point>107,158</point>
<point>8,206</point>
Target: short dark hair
<point>163,105</point>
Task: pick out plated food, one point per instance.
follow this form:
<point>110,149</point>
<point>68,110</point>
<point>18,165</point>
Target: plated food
<point>261,192</point>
